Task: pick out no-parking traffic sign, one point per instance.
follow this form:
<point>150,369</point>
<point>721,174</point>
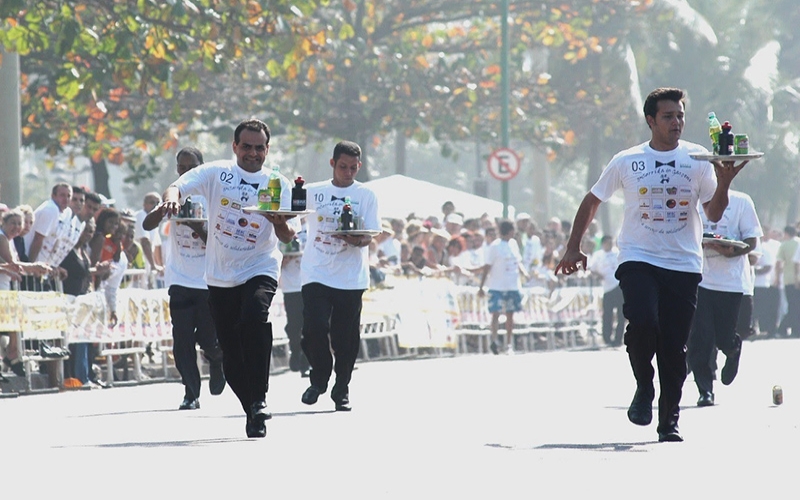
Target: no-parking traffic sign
<point>504,164</point>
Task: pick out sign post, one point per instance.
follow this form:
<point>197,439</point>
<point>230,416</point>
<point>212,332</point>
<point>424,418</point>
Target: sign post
<point>504,165</point>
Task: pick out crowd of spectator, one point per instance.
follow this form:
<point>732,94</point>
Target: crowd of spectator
<point>76,242</point>
<point>450,245</point>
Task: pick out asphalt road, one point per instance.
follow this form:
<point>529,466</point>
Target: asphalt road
<point>538,425</point>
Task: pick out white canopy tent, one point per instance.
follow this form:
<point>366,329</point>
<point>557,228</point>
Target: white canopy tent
<point>399,196</point>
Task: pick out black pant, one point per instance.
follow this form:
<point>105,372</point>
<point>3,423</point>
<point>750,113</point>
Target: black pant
<point>331,321</point>
<point>659,306</point>
<point>293,304</point>
<point>240,314</point>
<point>612,307</point>
<point>191,324</point>
<point>745,327</point>
<point>766,302</point>
<point>792,318</point>
<point>714,328</point>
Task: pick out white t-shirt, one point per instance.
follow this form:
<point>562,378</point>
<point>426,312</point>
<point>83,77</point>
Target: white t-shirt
<point>290,267</point>
<point>59,229</point>
<point>139,231</point>
<point>662,190</point>
<point>240,246</point>
<point>5,279</point>
<point>186,255</point>
<point>767,258</point>
<point>391,248</point>
<point>738,222</point>
<point>505,259</point>
<point>532,251</point>
<point>328,260</point>
<point>605,263</point>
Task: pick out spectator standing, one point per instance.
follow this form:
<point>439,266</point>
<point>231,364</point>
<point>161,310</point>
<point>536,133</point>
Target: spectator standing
<point>292,288</point>
<point>603,263</point>
<point>54,231</point>
<point>660,251</point>
<point>240,295</point>
<point>149,240</point>
<point>192,323</point>
<point>501,275</point>
<point>12,269</point>
<point>766,292</point>
<point>91,205</point>
<point>453,223</point>
<point>78,281</point>
<point>335,274</point>
<point>726,278</point>
<point>785,266</point>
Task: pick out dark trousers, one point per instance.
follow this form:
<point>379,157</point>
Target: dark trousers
<point>191,324</point>
<point>240,315</point>
<point>792,318</point>
<point>745,327</point>
<point>714,328</point>
<point>659,305</point>
<point>331,321</point>
<point>766,302</point>
<point>293,304</point>
<point>612,308</point>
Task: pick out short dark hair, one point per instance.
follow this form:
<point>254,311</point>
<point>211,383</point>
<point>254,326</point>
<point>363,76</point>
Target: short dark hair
<point>606,238</point>
<point>253,124</point>
<point>790,230</point>
<point>189,150</point>
<point>348,148</point>
<point>662,94</point>
<point>506,227</point>
<point>77,189</point>
<point>94,197</point>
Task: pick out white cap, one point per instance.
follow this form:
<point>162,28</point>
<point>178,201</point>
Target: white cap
<point>454,218</point>
<point>523,216</point>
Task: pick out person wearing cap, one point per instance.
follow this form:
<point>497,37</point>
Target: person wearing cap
<point>436,254</point>
<point>523,221</point>
<point>388,245</point>
<point>453,224</point>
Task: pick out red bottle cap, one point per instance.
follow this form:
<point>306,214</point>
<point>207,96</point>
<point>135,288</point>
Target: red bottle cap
<point>299,181</point>
<point>726,125</point>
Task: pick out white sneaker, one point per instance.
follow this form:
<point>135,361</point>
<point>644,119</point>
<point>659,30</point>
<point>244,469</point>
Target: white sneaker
<point>510,350</point>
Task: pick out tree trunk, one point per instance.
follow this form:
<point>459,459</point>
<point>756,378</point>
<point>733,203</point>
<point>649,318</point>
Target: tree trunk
<point>10,137</point>
<point>400,152</point>
<point>362,139</point>
<point>100,174</point>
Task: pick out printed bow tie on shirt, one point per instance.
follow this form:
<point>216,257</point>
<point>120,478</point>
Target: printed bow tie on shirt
<point>254,184</point>
<point>668,164</point>
<point>334,198</point>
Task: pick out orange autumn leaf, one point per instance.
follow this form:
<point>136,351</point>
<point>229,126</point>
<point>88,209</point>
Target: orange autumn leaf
<point>494,69</point>
<point>115,156</point>
<point>100,133</point>
<point>97,156</point>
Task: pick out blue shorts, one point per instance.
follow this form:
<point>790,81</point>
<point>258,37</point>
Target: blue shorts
<point>505,301</point>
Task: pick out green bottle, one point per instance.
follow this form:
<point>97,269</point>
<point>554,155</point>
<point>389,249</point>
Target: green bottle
<point>274,189</point>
